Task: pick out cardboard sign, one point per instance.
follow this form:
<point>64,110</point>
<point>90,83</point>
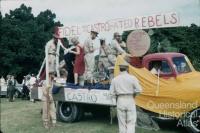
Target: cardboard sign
<point>138,43</point>
<point>101,97</point>
<point>123,24</point>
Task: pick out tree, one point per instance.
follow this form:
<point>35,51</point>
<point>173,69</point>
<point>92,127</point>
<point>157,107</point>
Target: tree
<point>23,38</point>
<point>185,40</point>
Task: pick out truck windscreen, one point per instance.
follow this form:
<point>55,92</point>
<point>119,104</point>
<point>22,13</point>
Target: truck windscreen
<point>181,65</point>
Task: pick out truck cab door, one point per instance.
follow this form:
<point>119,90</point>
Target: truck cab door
<point>164,68</point>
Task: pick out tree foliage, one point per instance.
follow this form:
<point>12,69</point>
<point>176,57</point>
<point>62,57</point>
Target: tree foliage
<point>185,40</point>
<point>23,38</point>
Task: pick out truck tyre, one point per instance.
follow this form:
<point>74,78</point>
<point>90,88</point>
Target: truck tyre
<point>193,121</point>
<point>67,112</point>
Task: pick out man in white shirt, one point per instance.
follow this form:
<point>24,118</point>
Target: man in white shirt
<point>52,50</point>
<point>124,88</point>
<point>115,47</point>
<point>32,81</point>
<point>89,49</point>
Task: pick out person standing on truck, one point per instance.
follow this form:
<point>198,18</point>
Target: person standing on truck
<point>115,47</point>
<point>123,89</point>
<point>2,83</point>
<point>122,43</point>
<point>79,64</point>
<point>105,52</point>
<point>89,49</point>
<point>52,50</point>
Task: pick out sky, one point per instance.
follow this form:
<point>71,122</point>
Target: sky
<point>71,12</point>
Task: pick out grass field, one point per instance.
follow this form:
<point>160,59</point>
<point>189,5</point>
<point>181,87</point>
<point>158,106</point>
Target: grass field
<point>24,117</point>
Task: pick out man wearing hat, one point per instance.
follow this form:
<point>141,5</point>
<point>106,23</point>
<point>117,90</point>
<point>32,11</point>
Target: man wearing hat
<point>124,88</point>
<point>52,50</point>
<point>89,49</point>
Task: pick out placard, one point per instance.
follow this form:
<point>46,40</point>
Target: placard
<point>138,43</point>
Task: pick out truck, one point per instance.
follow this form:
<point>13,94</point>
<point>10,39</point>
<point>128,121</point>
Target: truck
<point>73,101</point>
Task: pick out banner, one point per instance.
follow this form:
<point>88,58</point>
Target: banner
<point>123,24</point>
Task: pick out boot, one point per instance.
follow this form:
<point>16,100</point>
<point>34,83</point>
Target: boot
<point>46,124</point>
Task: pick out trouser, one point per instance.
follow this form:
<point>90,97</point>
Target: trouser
<point>49,112</point>
<point>126,113</point>
<point>89,66</point>
<point>11,92</point>
<point>103,62</point>
<point>25,92</point>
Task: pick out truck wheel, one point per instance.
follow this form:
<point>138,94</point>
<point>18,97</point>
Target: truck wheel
<point>193,121</point>
<point>67,112</point>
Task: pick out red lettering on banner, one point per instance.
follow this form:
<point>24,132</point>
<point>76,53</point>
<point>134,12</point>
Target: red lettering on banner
<point>74,30</point>
<point>107,26</point>
<point>128,23</point>
<point>84,28</point>
<point>158,20</point>
<point>137,22</point>
<point>115,26</point>
<point>78,30</point>
<point>89,28</point>
<point>151,21</point>
<point>96,27</point>
<point>66,31</point>
<point>174,19</point>
<point>120,23</point>
<point>143,21</point>
<point>165,20</point>
<point>92,28</point>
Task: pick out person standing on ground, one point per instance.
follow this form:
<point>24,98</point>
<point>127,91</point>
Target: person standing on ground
<point>123,89</point>
<point>52,50</point>
<point>25,89</point>
<point>11,88</point>
<point>79,64</point>
<point>32,82</point>
<point>122,43</point>
<point>89,48</point>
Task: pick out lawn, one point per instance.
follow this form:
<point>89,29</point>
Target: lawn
<point>24,117</point>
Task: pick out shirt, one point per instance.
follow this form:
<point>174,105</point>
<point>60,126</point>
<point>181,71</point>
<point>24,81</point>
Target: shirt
<point>32,81</point>
<point>116,48</point>
<point>52,48</point>
<point>89,46</point>
<point>125,84</point>
<point>105,51</point>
